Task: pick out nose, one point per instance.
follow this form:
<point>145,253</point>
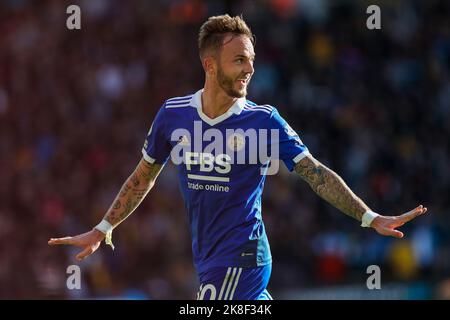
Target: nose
<point>249,67</point>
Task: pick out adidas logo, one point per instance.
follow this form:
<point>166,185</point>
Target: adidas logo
<point>184,141</point>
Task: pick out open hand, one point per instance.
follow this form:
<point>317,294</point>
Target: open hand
<point>89,241</point>
<point>386,225</point>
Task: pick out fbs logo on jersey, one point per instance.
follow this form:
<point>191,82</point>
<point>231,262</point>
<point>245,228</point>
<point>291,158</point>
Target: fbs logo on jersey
<point>236,142</point>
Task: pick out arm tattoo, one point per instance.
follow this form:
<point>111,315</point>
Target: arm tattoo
<point>117,205</point>
<point>128,208</point>
<point>139,193</point>
<point>124,190</point>
<point>133,192</point>
<point>330,186</point>
<point>148,171</point>
<point>134,180</point>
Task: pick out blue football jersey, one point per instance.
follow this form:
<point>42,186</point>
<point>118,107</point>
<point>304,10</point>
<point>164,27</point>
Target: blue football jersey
<point>222,165</point>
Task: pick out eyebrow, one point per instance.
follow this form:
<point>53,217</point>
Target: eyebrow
<point>244,56</point>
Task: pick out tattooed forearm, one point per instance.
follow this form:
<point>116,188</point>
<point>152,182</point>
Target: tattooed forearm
<point>134,180</point>
<point>117,204</point>
<point>124,190</point>
<point>148,171</point>
<point>128,207</point>
<point>330,186</point>
<point>133,192</point>
<point>139,193</point>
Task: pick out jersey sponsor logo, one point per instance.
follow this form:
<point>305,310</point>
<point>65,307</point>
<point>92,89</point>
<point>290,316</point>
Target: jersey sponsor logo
<point>208,163</point>
<point>215,151</point>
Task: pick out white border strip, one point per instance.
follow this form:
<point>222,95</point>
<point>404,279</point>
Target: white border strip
<point>208,178</point>
<point>235,284</point>
<point>301,156</point>
<point>147,157</point>
<point>225,282</point>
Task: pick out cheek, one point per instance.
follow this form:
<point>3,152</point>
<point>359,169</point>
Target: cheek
<point>229,73</point>
<point>232,70</point>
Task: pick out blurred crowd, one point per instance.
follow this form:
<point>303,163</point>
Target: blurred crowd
<point>75,107</point>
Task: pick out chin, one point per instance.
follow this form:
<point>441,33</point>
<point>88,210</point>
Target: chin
<point>235,92</point>
<point>239,93</point>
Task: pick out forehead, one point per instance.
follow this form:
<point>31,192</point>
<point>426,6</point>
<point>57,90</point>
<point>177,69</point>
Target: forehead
<point>234,45</point>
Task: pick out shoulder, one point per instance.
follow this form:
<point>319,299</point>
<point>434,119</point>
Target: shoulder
<point>251,106</point>
<point>178,102</point>
<point>267,113</point>
<point>174,108</point>
<point>266,110</point>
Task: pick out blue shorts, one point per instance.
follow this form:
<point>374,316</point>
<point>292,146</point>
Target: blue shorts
<point>235,283</point>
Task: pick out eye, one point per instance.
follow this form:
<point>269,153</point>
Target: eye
<point>239,60</point>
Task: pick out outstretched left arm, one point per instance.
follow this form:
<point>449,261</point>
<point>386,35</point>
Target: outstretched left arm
<point>330,186</point>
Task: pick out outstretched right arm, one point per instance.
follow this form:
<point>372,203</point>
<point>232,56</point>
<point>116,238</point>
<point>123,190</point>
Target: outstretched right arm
<point>133,191</point>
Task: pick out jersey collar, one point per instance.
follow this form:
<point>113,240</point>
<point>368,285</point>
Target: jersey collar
<point>236,108</point>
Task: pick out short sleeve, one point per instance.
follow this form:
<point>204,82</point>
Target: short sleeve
<point>156,146</point>
<point>290,147</point>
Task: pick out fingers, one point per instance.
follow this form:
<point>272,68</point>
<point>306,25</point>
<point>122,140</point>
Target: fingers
<point>396,234</point>
<point>390,232</point>
<point>85,253</point>
<point>65,240</point>
<point>413,213</point>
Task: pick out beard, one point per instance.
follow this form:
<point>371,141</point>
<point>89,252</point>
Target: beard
<point>227,84</point>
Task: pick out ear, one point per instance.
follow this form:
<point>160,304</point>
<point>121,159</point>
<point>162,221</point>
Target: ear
<point>209,65</point>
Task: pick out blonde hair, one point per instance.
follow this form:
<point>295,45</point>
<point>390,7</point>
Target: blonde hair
<point>213,31</point>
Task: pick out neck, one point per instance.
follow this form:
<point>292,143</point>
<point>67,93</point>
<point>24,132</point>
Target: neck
<point>215,101</point>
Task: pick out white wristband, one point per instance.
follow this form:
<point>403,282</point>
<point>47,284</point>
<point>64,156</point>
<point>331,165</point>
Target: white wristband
<point>104,227</point>
<point>107,229</point>
<point>367,218</point>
